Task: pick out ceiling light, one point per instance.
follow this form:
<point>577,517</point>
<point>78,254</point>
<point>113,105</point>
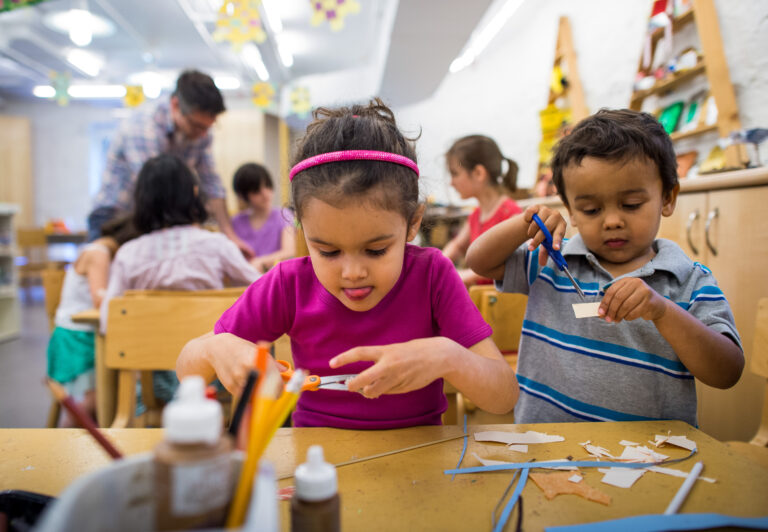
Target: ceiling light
<point>93,92</point>
<point>85,61</point>
<point>80,30</point>
<point>286,57</point>
<point>44,91</point>
<point>252,58</point>
<point>72,21</point>
<point>481,38</point>
<point>152,83</point>
<point>272,13</point>
<point>226,83</point>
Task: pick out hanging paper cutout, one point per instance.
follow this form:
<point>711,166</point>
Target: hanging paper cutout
<point>134,95</point>
<point>300,102</point>
<point>263,95</point>
<point>239,22</point>
<point>60,82</point>
<point>333,11</point>
<point>7,5</point>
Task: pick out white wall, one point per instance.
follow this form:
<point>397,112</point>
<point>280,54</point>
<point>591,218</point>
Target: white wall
<point>501,94</point>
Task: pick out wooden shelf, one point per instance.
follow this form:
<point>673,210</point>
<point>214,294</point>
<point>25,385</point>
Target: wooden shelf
<point>677,135</point>
<point>669,83</point>
<point>677,23</point>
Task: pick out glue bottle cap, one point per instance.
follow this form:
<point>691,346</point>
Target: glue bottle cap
<point>191,417</point>
<point>315,478</point>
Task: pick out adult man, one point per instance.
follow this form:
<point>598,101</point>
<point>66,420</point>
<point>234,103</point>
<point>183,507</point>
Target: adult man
<point>179,127</point>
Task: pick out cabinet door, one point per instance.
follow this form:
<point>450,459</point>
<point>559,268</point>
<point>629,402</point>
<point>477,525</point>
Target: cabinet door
<point>737,253</point>
<point>686,225</point>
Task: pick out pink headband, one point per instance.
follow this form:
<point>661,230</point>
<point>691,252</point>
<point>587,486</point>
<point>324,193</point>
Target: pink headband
<point>353,155</point>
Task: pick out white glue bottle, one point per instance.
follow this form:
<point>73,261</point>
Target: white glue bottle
<point>315,504</point>
<point>193,467</point>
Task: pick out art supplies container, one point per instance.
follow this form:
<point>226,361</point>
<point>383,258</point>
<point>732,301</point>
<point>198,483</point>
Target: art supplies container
<point>193,473</point>
<point>315,504</point>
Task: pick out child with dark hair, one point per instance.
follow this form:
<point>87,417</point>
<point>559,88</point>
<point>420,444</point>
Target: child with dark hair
<point>479,170</point>
<point>173,251</point>
<point>663,321</point>
<point>364,301</point>
<point>72,345</point>
<point>269,231</point>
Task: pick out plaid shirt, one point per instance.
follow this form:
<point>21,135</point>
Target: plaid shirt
<point>146,134</point>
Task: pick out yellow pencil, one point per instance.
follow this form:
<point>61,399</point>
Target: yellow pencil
<point>262,411</point>
<point>283,406</point>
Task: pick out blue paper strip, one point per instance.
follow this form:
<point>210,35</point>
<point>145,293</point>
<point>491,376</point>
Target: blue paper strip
<point>464,449</point>
<point>654,523</point>
<point>512,501</point>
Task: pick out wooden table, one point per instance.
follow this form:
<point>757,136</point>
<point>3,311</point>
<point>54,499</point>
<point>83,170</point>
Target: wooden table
<point>106,379</point>
<point>408,490</point>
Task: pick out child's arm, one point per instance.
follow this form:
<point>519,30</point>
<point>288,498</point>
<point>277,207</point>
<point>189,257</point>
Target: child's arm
<point>97,272</point>
<point>488,254</point>
<point>480,372</point>
<point>287,250</point>
<point>710,356</point>
<point>457,246</point>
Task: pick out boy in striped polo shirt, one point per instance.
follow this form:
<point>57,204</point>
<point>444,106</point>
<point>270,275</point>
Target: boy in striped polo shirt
<point>662,321</point>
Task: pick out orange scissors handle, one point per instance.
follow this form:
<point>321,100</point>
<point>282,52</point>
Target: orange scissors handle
<point>311,383</point>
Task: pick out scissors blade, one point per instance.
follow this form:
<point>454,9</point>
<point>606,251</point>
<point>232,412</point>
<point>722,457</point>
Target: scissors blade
<point>575,284</point>
<point>335,382</point>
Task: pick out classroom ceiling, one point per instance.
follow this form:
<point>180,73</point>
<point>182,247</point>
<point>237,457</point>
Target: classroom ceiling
<point>398,50</point>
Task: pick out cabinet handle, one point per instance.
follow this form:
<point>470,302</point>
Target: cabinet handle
<point>714,213</point>
<point>691,218</point>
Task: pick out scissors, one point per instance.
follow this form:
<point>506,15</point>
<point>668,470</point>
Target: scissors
<point>313,382</point>
<point>556,255</point>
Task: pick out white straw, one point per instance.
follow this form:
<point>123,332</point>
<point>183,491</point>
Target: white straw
<point>682,493</point>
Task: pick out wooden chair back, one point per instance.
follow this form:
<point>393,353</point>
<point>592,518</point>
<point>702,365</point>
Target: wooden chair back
<point>148,333</point>
<point>53,281</point>
<point>235,291</point>
<point>504,313</point>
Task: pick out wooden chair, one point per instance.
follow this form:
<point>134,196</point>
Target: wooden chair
<point>53,280</point>
<point>147,333</point>
<point>757,448</point>
<point>235,291</point>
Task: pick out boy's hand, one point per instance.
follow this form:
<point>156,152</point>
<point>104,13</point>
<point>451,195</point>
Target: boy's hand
<point>398,368</point>
<point>629,299</point>
<point>554,222</point>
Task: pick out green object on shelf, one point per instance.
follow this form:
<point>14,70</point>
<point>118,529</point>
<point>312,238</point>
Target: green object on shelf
<point>670,116</point>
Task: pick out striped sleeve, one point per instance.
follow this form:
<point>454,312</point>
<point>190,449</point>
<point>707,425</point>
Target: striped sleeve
<point>708,303</point>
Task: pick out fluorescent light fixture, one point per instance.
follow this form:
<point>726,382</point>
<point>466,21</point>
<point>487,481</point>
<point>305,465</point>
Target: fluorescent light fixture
<point>80,31</point>
<point>93,92</point>
<point>286,57</point>
<point>73,20</point>
<point>481,38</point>
<point>271,10</point>
<point>226,83</point>
<point>252,58</point>
<point>85,61</point>
<point>152,83</point>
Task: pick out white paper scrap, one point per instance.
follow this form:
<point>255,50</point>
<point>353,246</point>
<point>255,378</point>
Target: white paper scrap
<point>517,447</point>
<point>488,461</point>
<point>678,441</point>
<point>516,437</point>
<point>641,453</point>
<point>575,478</point>
<point>586,310</point>
<point>627,443</point>
<point>597,451</point>
<point>677,473</point>
<point>621,477</point>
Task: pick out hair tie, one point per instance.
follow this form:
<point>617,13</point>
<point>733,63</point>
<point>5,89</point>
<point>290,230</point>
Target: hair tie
<point>353,155</point>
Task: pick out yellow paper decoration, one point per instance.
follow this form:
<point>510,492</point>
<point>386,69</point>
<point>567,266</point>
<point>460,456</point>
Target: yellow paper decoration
<point>239,22</point>
<point>333,11</point>
<point>60,83</point>
<point>300,102</point>
<point>263,94</point>
<point>134,95</point>
<point>552,120</point>
<point>556,83</point>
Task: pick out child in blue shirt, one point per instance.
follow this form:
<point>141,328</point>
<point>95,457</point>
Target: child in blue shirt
<point>662,321</point>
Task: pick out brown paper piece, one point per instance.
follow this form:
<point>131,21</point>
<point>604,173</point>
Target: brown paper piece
<point>553,484</point>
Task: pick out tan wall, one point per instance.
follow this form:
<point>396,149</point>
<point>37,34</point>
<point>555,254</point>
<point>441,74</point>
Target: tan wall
<point>16,167</point>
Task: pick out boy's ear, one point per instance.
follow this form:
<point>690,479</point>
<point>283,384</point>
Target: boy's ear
<point>571,219</point>
<point>669,201</point>
<point>413,227</point>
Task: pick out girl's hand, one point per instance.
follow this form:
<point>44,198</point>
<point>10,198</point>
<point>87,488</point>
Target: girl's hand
<point>398,368</point>
<point>232,358</point>
<point>629,299</point>
<point>554,222</point>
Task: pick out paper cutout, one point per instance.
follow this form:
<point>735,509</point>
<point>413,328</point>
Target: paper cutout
<point>239,22</point>
<point>678,441</point>
<point>516,437</point>
<point>641,453</point>
<point>596,450</point>
<point>334,11</point>
<point>300,102</point>
<point>620,477</point>
<point>554,484</point>
<point>677,473</point>
<point>628,443</point>
<point>586,310</point>
<point>488,461</point>
<point>60,82</point>
<point>518,448</point>
<point>263,95</point>
<point>134,95</point>
<point>575,478</point>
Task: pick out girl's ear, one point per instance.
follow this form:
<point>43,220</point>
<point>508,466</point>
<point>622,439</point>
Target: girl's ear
<point>413,227</point>
<point>479,172</point>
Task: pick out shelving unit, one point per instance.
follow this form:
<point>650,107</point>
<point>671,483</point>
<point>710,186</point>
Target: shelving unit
<point>10,322</point>
<point>714,66</point>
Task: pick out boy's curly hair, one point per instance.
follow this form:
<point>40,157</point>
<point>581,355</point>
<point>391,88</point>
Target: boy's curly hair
<point>617,135</point>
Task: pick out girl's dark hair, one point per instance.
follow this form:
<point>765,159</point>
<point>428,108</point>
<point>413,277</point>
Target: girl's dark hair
<point>358,127</point>
<point>166,195</point>
<point>250,177</point>
<point>618,135</point>
<point>120,228</point>
<point>472,150</point>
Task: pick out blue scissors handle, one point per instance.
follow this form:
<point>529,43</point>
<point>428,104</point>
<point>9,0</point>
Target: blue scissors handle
<point>557,257</point>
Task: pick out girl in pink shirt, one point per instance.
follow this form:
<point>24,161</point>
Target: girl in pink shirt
<point>478,171</point>
<point>364,301</point>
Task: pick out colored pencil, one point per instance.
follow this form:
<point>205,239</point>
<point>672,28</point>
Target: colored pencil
<point>245,398</point>
<point>83,419</point>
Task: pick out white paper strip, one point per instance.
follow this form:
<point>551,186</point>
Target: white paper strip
<point>488,461</point>
<point>621,477</point>
<point>518,448</point>
<point>586,310</point>
<point>641,454</point>
<point>677,473</point>
<point>678,441</point>
<point>626,443</point>
<point>516,437</point>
